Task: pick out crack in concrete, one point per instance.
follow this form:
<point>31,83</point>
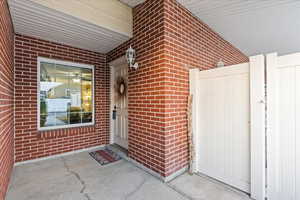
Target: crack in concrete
<point>136,189</point>
<point>179,192</point>
<point>82,191</point>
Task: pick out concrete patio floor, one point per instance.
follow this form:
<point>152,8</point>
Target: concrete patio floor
<point>79,177</point>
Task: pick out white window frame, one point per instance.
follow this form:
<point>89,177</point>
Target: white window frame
<point>70,64</point>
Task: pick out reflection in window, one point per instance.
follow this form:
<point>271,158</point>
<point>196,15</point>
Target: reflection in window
<point>66,95</point>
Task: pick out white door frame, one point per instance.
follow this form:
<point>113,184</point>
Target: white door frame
<point>257,126</point>
<point>112,65</point>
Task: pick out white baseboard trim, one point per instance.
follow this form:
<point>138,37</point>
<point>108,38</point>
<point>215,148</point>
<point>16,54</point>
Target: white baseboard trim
<point>59,155</point>
<point>148,170</point>
<point>175,174</point>
<point>155,174</point>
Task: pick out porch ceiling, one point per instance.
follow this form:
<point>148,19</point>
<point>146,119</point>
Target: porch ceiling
<point>252,26</point>
<point>97,25</point>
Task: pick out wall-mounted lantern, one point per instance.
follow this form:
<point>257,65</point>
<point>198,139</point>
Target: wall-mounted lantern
<point>130,57</point>
<point>220,63</point>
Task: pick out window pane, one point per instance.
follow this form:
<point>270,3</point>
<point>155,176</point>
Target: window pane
<point>87,105</point>
<point>62,118</point>
<point>47,84</point>
<point>48,120</point>
<point>59,98</point>
<point>65,95</point>
<point>75,117</point>
<point>87,117</point>
<point>87,90</point>
<point>75,88</point>
<point>86,74</point>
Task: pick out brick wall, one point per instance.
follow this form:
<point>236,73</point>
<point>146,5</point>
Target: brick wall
<point>6,98</point>
<point>146,106</point>
<point>189,43</point>
<point>29,142</point>
<point>169,40</point>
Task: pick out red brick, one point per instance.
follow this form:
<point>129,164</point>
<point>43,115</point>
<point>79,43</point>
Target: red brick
<point>6,98</point>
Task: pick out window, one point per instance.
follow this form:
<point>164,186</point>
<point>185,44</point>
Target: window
<point>65,94</point>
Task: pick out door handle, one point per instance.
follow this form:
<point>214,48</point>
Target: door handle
<point>262,101</point>
<point>114,113</point>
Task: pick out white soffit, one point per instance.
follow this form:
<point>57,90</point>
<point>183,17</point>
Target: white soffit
<point>132,3</point>
<point>33,19</point>
<point>254,26</point>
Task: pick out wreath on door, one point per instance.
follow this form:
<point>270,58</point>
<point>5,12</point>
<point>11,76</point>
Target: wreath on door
<point>121,87</point>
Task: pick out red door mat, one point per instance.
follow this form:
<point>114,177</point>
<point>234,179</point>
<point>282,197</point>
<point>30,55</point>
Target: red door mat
<point>105,156</point>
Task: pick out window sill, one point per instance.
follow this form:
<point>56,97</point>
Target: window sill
<point>65,127</point>
<point>66,131</point>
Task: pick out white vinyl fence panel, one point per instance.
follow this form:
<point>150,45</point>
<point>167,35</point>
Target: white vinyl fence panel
<point>283,116</point>
<point>222,131</point>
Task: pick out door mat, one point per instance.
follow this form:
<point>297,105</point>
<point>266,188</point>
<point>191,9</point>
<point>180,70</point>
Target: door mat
<point>105,156</point>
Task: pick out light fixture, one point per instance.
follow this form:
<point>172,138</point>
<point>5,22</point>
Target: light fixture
<point>220,63</point>
<point>76,79</point>
<point>130,57</point>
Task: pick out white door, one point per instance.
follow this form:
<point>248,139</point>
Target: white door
<point>283,116</point>
<point>120,104</point>
<point>221,124</point>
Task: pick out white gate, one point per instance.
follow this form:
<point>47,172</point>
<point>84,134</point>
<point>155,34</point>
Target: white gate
<point>228,147</point>
<point>283,119</point>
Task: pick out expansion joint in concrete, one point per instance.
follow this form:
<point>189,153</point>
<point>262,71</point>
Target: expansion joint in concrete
<point>136,189</point>
<point>179,192</point>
